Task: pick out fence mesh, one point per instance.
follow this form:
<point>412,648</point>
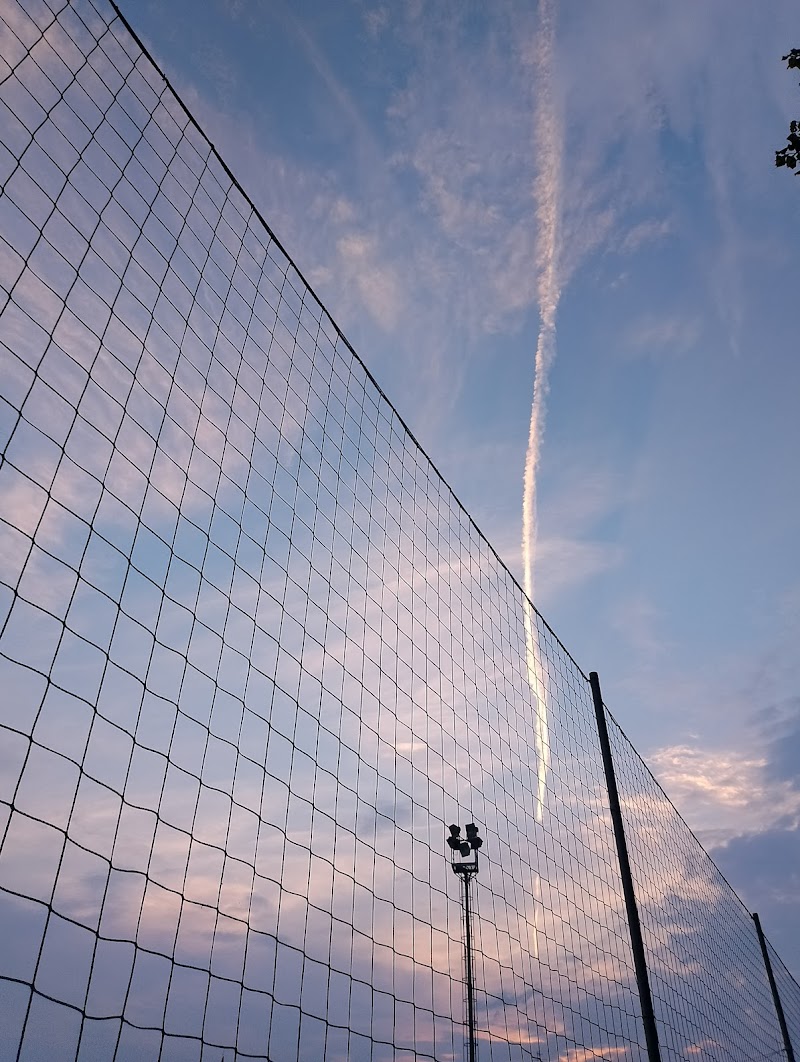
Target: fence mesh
<point>789,994</point>
<point>710,989</point>
<point>255,656</point>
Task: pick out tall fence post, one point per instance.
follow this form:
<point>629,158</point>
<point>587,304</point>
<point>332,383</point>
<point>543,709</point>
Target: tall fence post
<point>637,943</point>
<point>776,999</point>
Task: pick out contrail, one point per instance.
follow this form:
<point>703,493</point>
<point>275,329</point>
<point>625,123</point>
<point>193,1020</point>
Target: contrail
<point>547,195</point>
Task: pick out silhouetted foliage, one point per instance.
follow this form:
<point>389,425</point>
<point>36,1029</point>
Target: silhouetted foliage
<point>790,155</point>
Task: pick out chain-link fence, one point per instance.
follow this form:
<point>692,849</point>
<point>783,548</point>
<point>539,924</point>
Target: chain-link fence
<point>255,656</point>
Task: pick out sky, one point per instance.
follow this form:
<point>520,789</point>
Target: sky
<point>463,184</point>
<point>255,656</point>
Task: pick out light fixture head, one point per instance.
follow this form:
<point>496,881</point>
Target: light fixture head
<point>454,839</point>
<point>474,839</point>
<point>464,847</point>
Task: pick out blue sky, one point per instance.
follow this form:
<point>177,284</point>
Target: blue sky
<point>255,656</point>
<point>395,150</point>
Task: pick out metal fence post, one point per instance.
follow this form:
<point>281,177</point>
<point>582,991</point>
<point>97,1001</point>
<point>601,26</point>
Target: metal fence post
<point>637,943</point>
<point>776,999</point>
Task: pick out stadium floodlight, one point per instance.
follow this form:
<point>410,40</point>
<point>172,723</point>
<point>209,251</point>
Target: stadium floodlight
<point>465,848</point>
<point>466,871</point>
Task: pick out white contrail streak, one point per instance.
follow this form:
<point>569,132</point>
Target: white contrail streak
<point>547,194</point>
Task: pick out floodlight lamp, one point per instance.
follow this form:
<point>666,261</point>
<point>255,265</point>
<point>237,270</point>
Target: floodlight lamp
<point>464,848</point>
<point>453,840</point>
<point>472,836</point>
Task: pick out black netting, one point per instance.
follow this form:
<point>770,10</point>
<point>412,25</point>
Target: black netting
<point>255,656</point>
<point>710,990</point>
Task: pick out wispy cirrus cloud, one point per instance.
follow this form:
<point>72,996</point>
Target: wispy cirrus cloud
<point>665,335</point>
<point>567,563</point>
<point>571,546</point>
<point>422,242</point>
<point>378,282</point>
<point>725,793</point>
<point>643,233</point>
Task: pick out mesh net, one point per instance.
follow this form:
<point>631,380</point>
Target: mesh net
<point>789,995</point>
<point>255,656</point>
<point>710,989</point>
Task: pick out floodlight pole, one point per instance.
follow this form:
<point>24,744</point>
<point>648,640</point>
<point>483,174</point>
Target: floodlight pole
<point>467,871</point>
<point>466,878</point>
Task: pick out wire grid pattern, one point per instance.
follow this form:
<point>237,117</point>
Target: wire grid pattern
<point>789,992</point>
<point>255,654</point>
<point>710,989</point>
